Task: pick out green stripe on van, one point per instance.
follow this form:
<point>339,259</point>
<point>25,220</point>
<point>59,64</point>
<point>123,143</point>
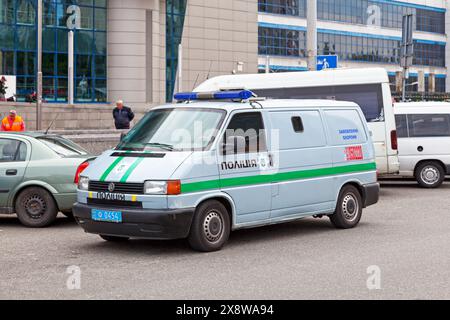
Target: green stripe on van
<point>275,178</point>
<point>110,169</point>
<point>131,169</point>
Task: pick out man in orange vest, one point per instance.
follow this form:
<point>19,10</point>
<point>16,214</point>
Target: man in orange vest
<point>13,123</point>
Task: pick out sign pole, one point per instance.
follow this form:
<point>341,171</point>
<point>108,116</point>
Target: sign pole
<point>70,74</point>
<point>311,36</point>
<point>39,69</point>
<point>407,51</point>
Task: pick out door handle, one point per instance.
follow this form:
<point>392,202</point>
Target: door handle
<point>11,172</point>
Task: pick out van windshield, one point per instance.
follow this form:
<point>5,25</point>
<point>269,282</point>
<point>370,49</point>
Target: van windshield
<point>177,129</point>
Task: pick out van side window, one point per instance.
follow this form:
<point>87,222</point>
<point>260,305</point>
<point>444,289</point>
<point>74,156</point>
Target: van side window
<point>297,123</point>
<point>245,134</point>
<point>12,150</point>
<point>402,125</point>
<point>429,125</point>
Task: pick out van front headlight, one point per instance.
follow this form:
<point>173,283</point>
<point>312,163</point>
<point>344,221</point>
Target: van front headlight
<point>83,184</point>
<point>162,187</point>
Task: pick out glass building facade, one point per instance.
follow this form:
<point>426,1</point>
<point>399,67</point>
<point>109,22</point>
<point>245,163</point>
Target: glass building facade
<point>290,40</point>
<point>18,48</point>
<point>359,11</point>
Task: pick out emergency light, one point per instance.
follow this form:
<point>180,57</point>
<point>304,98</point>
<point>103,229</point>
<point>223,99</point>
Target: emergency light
<point>219,95</point>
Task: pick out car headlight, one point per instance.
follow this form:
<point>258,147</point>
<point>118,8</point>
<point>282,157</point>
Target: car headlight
<point>162,187</point>
<point>83,184</point>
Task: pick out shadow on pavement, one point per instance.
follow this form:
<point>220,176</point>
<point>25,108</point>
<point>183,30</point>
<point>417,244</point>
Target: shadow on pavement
<point>12,221</point>
<point>260,236</point>
<point>407,184</point>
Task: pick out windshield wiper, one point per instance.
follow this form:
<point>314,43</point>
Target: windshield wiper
<point>163,146</point>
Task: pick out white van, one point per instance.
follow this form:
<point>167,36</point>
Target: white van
<point>424,141</point>
<point>201,169</point>
<point>368,87</point>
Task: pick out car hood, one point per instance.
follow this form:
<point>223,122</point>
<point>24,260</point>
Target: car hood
<point>135,167</point>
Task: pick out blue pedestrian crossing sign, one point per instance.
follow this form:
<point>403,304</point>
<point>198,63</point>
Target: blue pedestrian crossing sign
<point>327,62</point>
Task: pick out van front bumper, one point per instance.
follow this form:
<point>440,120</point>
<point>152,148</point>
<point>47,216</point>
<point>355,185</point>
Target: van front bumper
<point>138,223</point>
<point>371,194</point>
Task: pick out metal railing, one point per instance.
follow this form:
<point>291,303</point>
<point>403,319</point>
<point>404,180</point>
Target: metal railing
<point>422,96</point>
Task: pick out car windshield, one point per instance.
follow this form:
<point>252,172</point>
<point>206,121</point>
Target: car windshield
<point>177,129</point>
<point>63,147</point>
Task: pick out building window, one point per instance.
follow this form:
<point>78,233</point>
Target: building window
<point>175,14</point>
<point>292,43</point>
<point>18,48</point>
<point>358,12</point>
<point>287,7</point>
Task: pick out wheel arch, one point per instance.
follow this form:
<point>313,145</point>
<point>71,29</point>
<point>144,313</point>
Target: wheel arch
<point>226,200</point>
<point>34,184</point>
<point>440,162</point>
<point>358,185</point>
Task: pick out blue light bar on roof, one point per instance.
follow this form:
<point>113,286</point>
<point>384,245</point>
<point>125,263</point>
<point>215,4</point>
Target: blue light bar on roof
<point>220,95</point>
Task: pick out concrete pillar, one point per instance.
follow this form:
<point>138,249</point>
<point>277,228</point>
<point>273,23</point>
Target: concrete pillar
<point>399,81</point>
<point>311,37</point>
<point>432,83</point>
<point>421,80</point>
<point>127,50</point>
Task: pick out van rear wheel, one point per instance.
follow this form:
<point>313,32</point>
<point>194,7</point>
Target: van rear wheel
<point>430,174</point>
<point>349,209</point>
<point>210,229</point>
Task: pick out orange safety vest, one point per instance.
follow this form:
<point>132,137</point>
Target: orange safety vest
<point>17,126</point>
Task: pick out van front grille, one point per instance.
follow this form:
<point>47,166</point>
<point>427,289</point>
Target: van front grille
<point>115,203</point>
<point>125,188</point>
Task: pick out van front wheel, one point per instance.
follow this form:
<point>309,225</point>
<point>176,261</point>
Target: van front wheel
<point>210,229</point>
<point>349,209</point>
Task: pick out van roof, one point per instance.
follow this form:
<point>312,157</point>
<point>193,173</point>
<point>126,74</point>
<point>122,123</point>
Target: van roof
<point>266,104</point>
<point>421,107</point>
<point>302,79</point>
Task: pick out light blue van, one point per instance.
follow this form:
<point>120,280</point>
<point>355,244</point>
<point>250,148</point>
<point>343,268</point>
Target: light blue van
<point>225,161</point>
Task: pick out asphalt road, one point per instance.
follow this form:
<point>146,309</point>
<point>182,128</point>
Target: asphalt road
<point>406,236</point>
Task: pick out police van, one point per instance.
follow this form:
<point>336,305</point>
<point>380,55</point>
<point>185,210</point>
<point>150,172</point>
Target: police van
<point>223,161</point>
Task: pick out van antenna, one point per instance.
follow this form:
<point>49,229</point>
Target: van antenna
<point>196,80</point>
<point>195,84</point>
<point>51,124</point>
<point>209,70</point>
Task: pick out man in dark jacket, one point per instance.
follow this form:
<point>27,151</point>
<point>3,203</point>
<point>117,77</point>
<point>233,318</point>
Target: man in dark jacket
<point>122,116</point>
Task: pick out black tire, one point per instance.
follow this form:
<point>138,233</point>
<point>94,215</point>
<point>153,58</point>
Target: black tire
<point>349,208</point>
<point>430,174</point>
<point>36,208</point>
<point>114,239</point>
<point>211,227</point>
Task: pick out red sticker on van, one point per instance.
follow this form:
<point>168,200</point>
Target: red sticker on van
<point>354,153</point>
